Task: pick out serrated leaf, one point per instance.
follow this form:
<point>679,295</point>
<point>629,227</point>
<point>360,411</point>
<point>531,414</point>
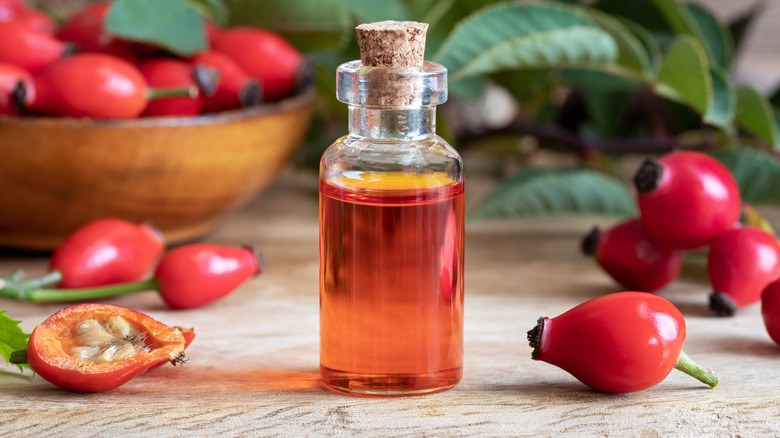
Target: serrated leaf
<point>631,52</point>
<point>174,25</point>
<point>685,74</point>
<point>12,338</point>
<point>510,36</point>
<point>754,113</point>
<point>309,25</point>
<point>757,174</point>
<point>537,191</point>
<point>715,37</point>
<point>369,12</point>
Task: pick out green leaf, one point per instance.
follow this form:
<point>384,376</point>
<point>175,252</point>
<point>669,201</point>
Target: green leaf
<point>470,88</point>
<point>215,10</point>
<point>309,25</point>
<point>631,52</point>
<point>757,174</point>
<point>523,85</point>
<point>649,44</point>
<point>644,12</point>
<point>754,113</point>
<point>537,191</point>
<point>510,36</point>
<point>12,338</point>
<point>605,79</point>
<point>174,25</point>
<point>715,36</point>
<point>696,21</point>
<point>685,74</point>
<point>369,12</point>
<point>721,112</point>
<point>677,16</point>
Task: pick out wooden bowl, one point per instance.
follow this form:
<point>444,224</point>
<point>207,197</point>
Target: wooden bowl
<point>185,174</point>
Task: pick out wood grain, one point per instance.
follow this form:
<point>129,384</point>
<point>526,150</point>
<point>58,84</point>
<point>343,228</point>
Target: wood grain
<point>183,174</point>
<point>253,366</point>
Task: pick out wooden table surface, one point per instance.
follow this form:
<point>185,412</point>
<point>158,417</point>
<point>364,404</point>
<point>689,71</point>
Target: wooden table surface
<point>253,368</point>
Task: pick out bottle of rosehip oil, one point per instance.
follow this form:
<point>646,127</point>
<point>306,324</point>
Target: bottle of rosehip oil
<point>391,226</point>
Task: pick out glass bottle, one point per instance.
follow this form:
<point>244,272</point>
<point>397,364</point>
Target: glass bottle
<point>391,238</point>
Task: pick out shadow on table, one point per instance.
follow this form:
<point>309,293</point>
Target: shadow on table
<point>241,379</point>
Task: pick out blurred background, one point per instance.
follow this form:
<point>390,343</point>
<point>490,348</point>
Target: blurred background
<point>555,102</point>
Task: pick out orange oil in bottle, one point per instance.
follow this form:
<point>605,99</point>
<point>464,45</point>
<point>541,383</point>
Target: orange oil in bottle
<point>391,284</point>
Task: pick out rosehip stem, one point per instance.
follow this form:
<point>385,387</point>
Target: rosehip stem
<point>164,93</point>
<point>691,368</point>
<point>38,295</point>
<point>15,284</point>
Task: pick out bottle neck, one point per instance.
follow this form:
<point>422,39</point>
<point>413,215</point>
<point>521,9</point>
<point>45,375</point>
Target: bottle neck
<point>392,124</point>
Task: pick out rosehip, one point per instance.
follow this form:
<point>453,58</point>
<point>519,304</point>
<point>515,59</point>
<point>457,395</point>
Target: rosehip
<point>186,277</point>
<point>686,198</point>
<point>632,258</point>
<point>107,251</point>
<point>9,9</point>
<point>11,78</point>
<point>94,85</point>
<point>741,263</point>
<point>194,275</point>
<point>235,88</point>
<point>86,29</point>
<point>97,347</point>
<point>770,310</point>
<point>166,72</point>
<point>265,56</point>
<point>37,20</point>
<point>621,342</point>
<point>28,48</point>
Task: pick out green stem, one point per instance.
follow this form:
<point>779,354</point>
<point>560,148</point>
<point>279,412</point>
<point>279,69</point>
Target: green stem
<point>164,93</point>
<point>691,368</point>
<point>15,285</point>
<point>65,295</point>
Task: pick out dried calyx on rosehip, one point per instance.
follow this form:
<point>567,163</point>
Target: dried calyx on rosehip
<point>741,263</point>
<point>686,199</point>
<point>632,257</point>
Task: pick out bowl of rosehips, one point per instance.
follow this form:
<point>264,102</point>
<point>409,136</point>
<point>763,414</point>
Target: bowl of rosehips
<point>95,126</point>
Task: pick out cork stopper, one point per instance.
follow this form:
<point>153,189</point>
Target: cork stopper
<point>392,43</point>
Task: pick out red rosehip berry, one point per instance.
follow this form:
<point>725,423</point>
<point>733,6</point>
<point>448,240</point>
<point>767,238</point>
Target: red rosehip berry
<point>620,342</point>
<point>741,264</point>
<point>686,198</point>
<point>86,29</point>
<point>15,83</point>
<point>29,48</point>
<point>770,310</point>
<point>266,56</point>
<point>107,251</point>
<point>235,88</point>
<point>164,73</point>
<point>632,257</point>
